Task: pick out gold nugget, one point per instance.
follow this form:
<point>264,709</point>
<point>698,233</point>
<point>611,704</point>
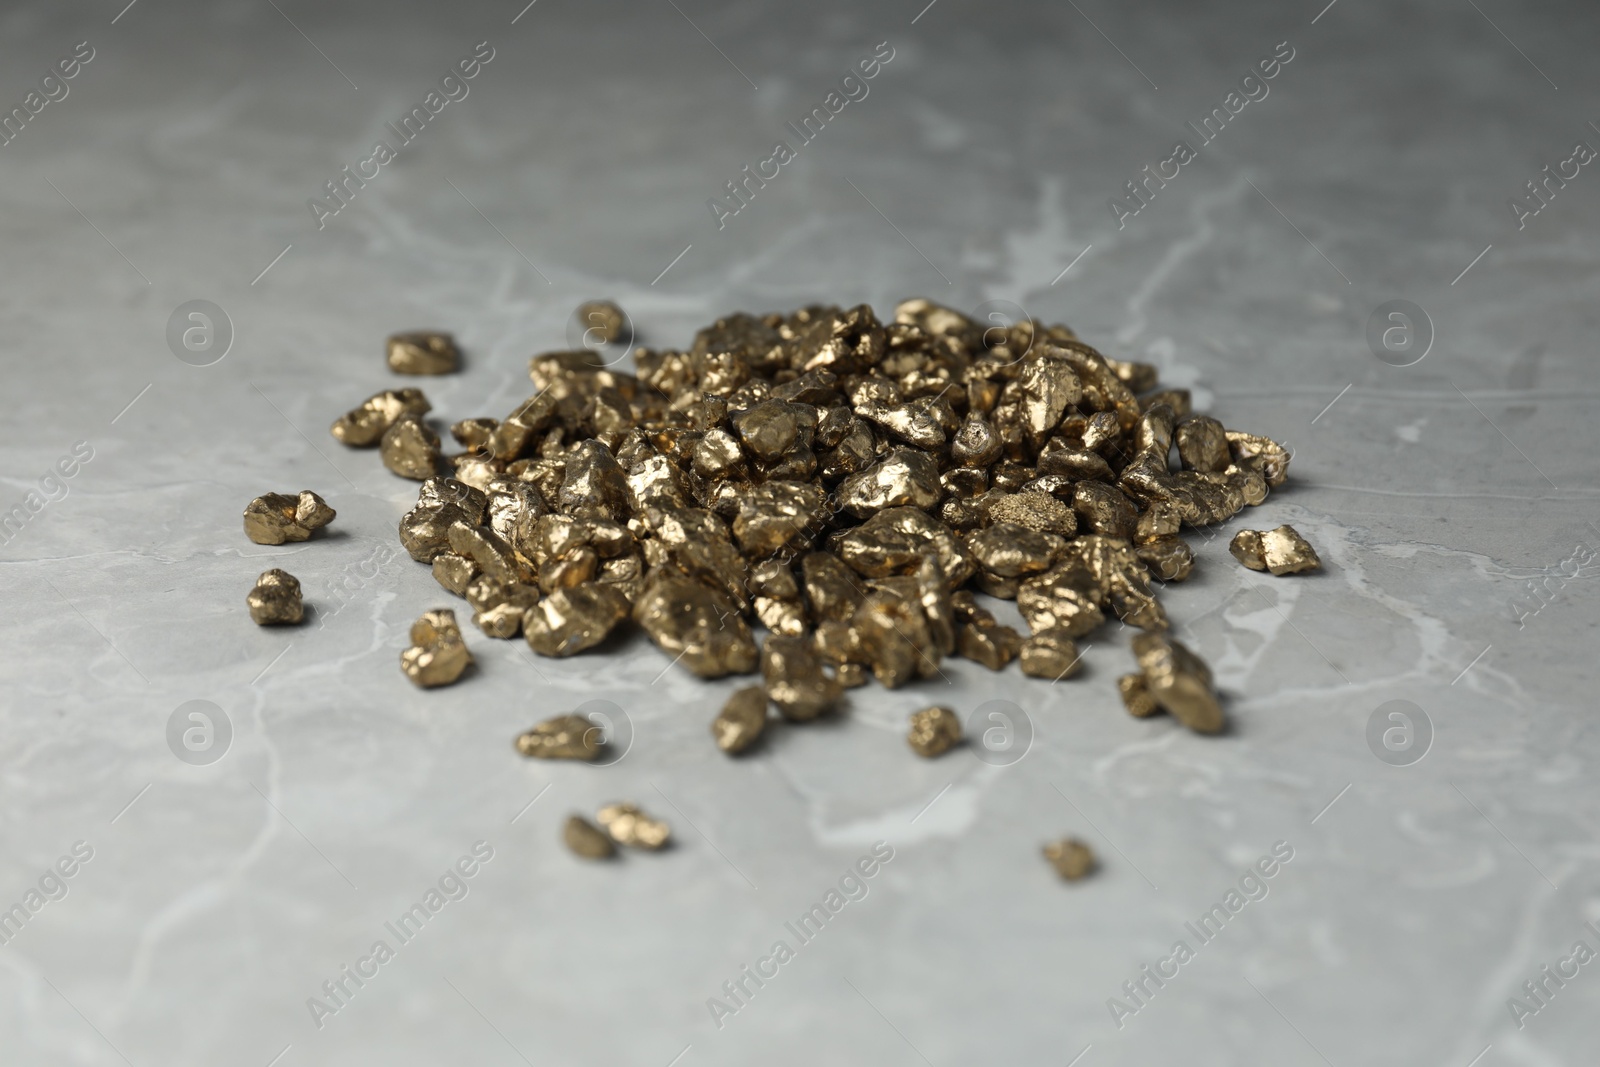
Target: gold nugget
<point>568,621</point>
<point>275,601</point>
<point>602,320</point>
<point>410,449</point>
<point>1179,681</point>
<point>278,517</point>
<point>437,655</point>
<point>1281,551</point>
<point>563,737</point>
<point>1071,858</point>
<point>742,720</point>
<point>795,680</point>
<point>586,839</point>
<point>423,352</point>
<point>1050,654</point>
<point>1136,696</point>
<point>364,426</point>
<point>934,731</point>
<point>630,826</point>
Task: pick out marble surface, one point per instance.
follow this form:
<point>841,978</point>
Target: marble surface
<point>220,897</point>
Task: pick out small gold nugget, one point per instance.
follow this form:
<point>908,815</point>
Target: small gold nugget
<point>364,426</point>
<point>934,731</point>
<point>278,517</point>
<point>586,839</point>
<point>742,720</point>
<point>275,601</point>
<point>423,352</point>
<point>411,449</point>
<point>630,826</point>
<point>1071,858</point>
<point>1136,697</point>
<point>1050,654</point>
<point>562,737</point>
<point>601,320</point>
<point>568,621</point>
<point>1281,551</point>
<point>1179,681</point>
<point>795,679</point>
<point>437,655</point>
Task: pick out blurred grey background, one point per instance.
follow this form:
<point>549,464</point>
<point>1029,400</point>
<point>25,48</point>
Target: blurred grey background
<point>1453,501</point>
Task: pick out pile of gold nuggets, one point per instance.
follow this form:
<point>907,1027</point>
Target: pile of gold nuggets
<point>846,483</point>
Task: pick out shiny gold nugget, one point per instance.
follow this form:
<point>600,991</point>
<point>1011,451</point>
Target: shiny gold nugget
<point>275,601</point>
<point>602,319</point>
<point>410,449</point>
<point>1050,654</point>
<point>1071,858</point>
<point>562,737</point>
<point>1281,551</point>
<point>934,731</point>
<point>278,517</point>
<point>742,720</point>
<point>437,655</point>
<point>630,826</point>
<point>1179,681</point>
<point>423,352</point>
<point>586,839</point>
<point>364,426</point>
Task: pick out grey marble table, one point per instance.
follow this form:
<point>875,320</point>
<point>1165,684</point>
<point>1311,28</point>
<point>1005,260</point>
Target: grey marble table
<point>197,910</point>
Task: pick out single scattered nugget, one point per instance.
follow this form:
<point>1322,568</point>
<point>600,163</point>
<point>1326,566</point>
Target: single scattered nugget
<point>437,655</point>
<point>602,320</point>
<point>934,731</point>
<point>278,517</point>
<point>1281,551</point>
<point>364,426</point>
<point>1179,681</point>
<point>742,720</point>
<point>423,352</point>
<point>586,839</point>
<point>1136,696</point>
<point>275,601</point>
<point>562,737</point>
<point>629,825</point>
<point>1071,858</point>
